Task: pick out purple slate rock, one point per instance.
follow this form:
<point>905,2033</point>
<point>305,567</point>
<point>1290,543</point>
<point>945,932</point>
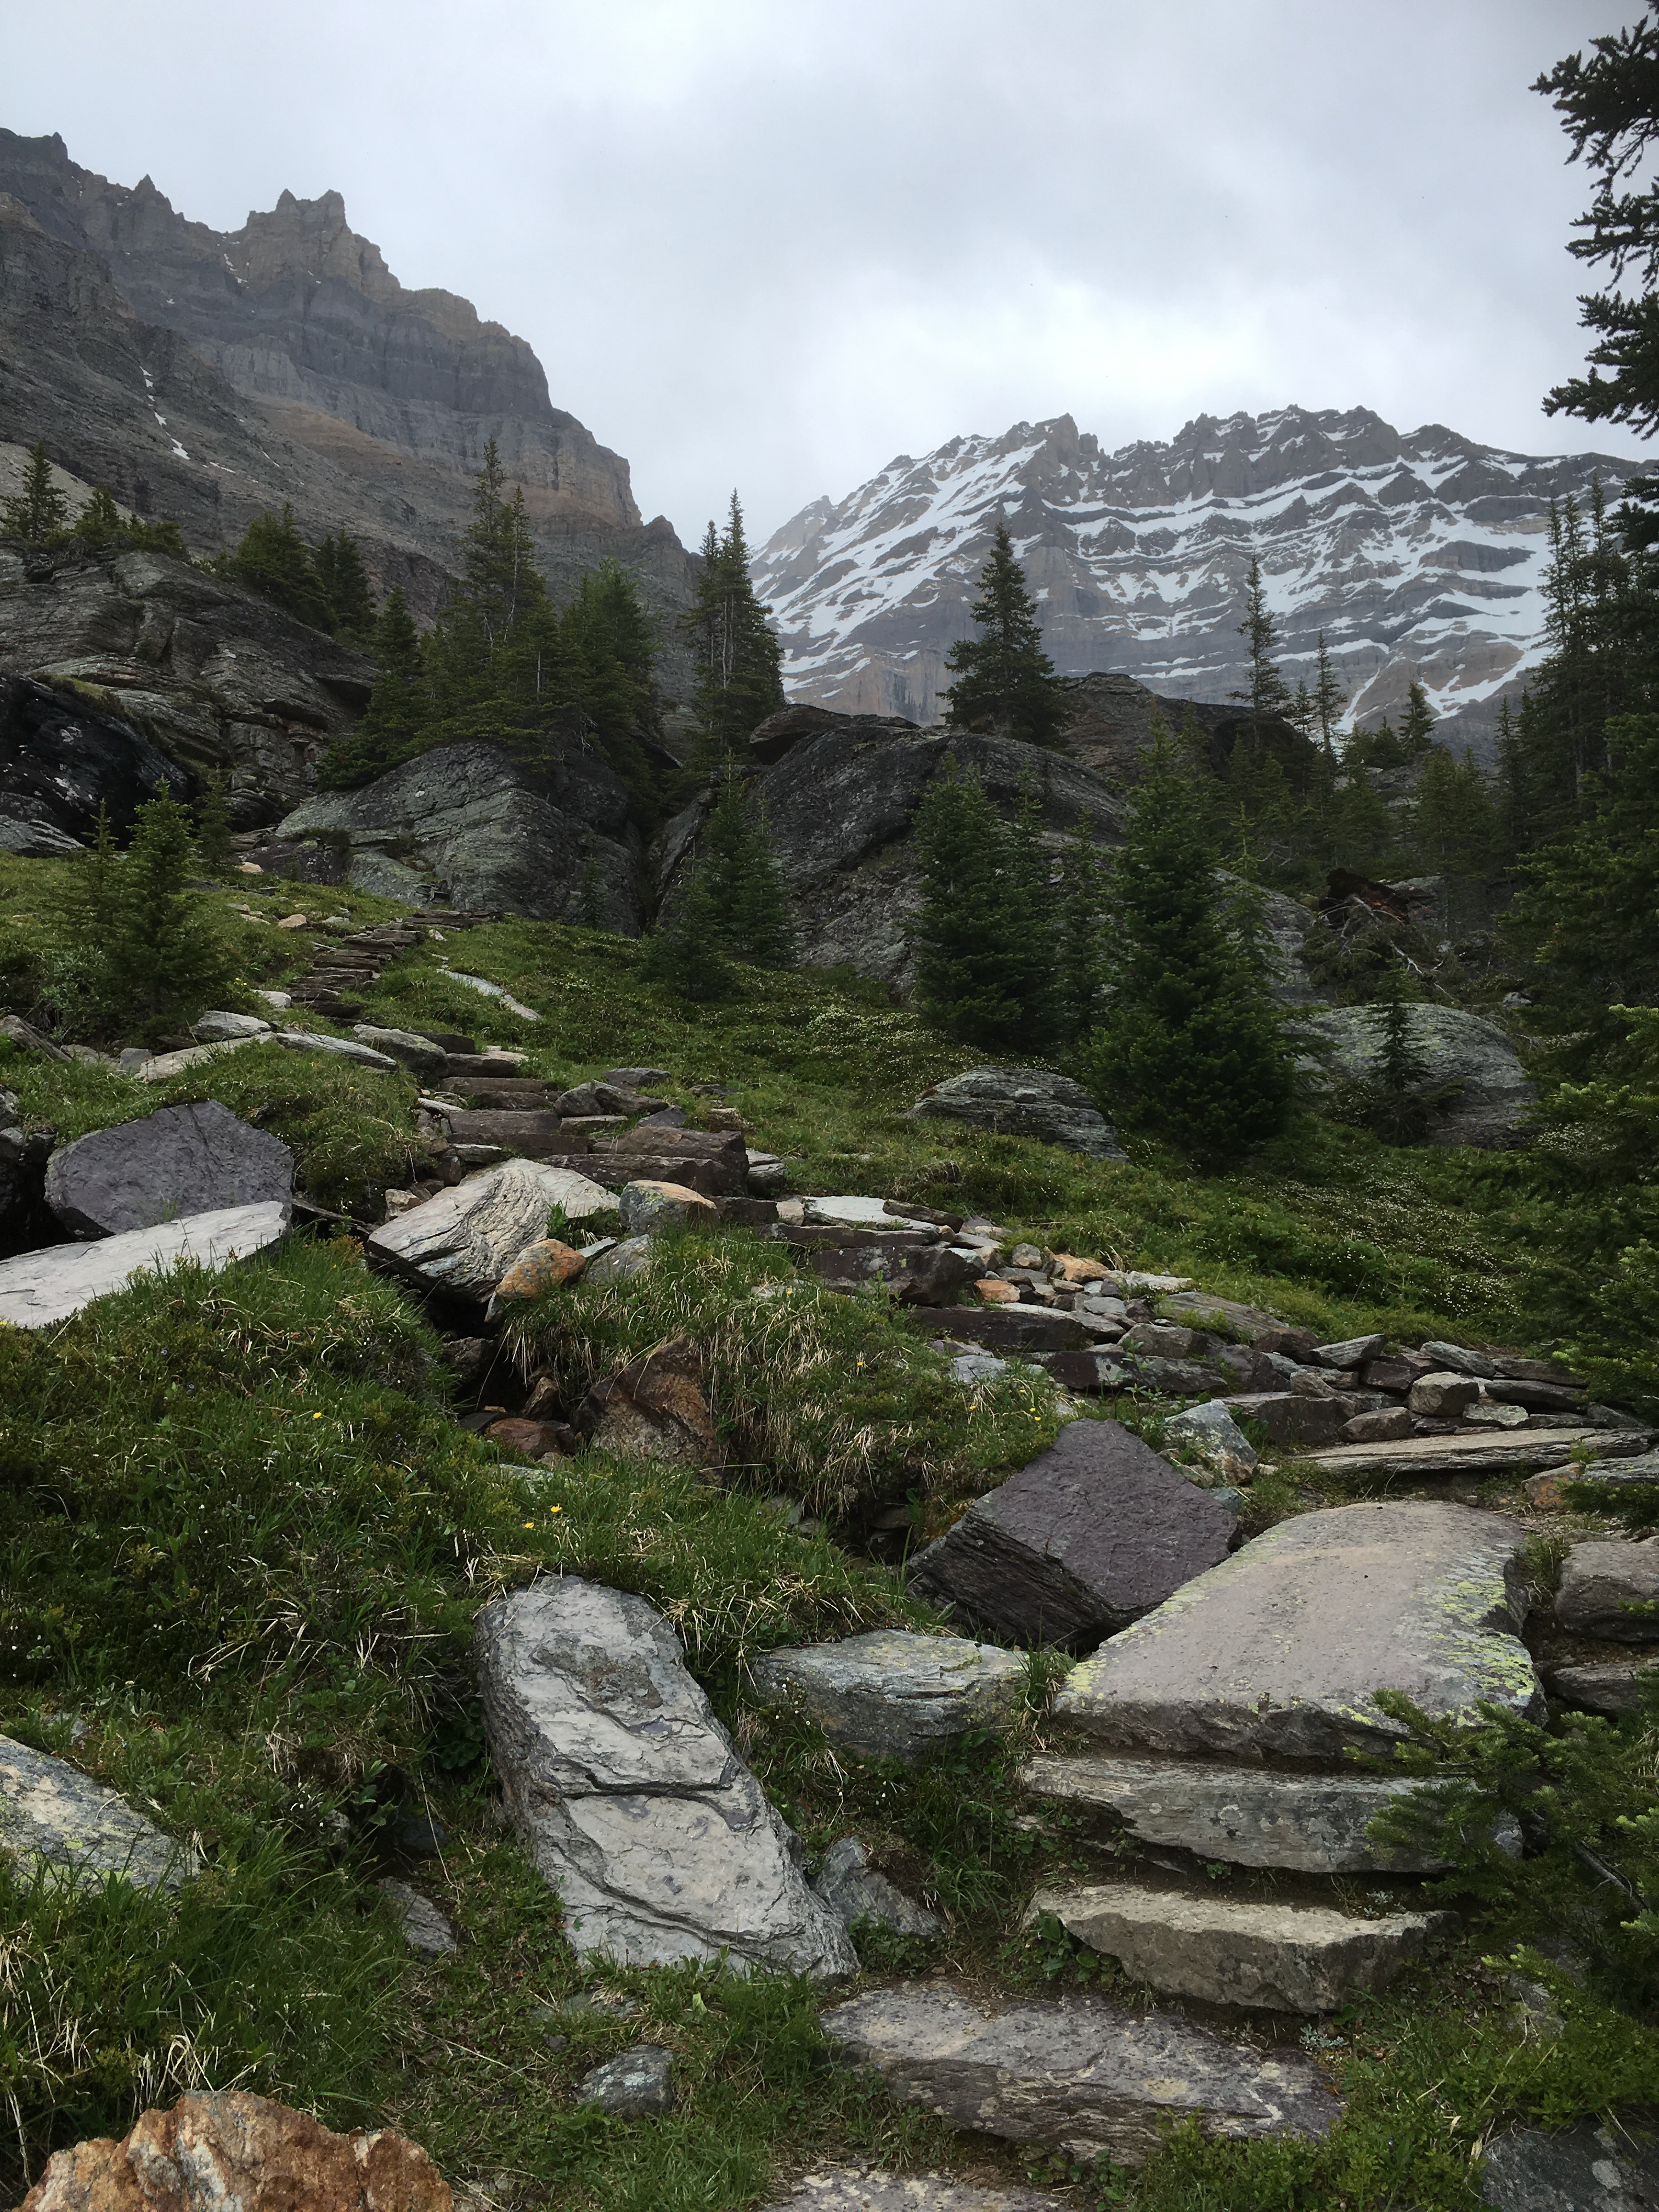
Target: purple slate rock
<point>1098,1530</point>
<point>182,1160</point>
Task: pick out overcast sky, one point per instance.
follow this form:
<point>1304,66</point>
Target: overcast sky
<point>773,243</point>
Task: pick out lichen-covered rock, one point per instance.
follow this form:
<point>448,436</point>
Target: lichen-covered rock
<point>1604,1586</point>
<point>1494,1094</point>
<point>856,1891</point>
<point>464,1240</point>
<point>53,1816</point>
<point>651,1207</point>
<point>655,1408</point>
<point>540,1266</point>
<point>1279,1651</point>
<point>1023,1101</point>
<point>1211,1434</point>
<point>232,2151</point>
<point>890,1694</point>
<point>630,1795</point>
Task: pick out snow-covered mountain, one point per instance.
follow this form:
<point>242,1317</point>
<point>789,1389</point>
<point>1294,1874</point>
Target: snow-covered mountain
<point>1417,555</point>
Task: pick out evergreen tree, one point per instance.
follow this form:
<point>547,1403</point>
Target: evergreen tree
<point>98,522</point>
<point>1266,692</point>
<point>1081,943</point>
<point>1364,834</point>
<point>685,951</point>
<point>1330,700</point>
<point>274,560</point>
<point>1004,681</point>
<point>1415,732</point>
<point>40,512</point>
<point>1189,1047</point>
<point>738,660</point>
<point>343,582</point>
<point>1456,823</point>
<point>214,848</point>
<point>1399,1102</point>
<point>748,901</point>
<point>395,724</point>
<point>1301,715</point>
<point>164,961</point>
<point>970,965</point>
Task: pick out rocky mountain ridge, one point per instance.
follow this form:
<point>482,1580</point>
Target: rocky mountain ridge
<point>207,375</point>
<point>1417,555</point>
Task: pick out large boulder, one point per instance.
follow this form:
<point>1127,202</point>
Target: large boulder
<point>1077,2076</point>
<point>469,826</point>
<point>1494,1099</point>
<point>1023,1101</point>
<point>464,1240</point>
<point>630,1795</point>
<point>1277,1652</point>
<point>1095,1531</point>
<point>182,1160</point>
<point>229,2151</point>
<point>1596,2167</point>
<point>39,1288</point>
<point>890,1694</point>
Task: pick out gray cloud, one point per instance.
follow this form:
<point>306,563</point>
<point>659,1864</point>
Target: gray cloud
<point>775,242</point>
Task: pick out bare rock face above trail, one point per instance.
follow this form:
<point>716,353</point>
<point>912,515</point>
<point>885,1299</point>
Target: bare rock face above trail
<point>182,1160</point>
<point>231,2152</point>
<point>890,1694</point>
<point>1279,1650</point>
<point>1494,1094</point>
<point>1097,1530</point>
<point>1077,2074</point>
<point>1023,1101</point>
<point>39,1288</point>
<point>466,825</point>
<point>629,1794</point>
<point>62,759</point>
<point>52,1815</point>
<point>1279,1957</point>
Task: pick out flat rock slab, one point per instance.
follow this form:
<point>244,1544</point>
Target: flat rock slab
<point>184,1160</point>
<point>1600,1584</point>
<point>1477,1454</point>
<point>464,1240</point>
<point>1095,1531</point>
<point>53,1816</point>
<point>890,1694</point>
<point>1024,1102</point>
<point>1247,1815</point>
<point>1604,1687</point>
<point>865,2189</point>
<point>39,1288</point>
<point>1233,1951</point>
<point>1590,2168</point>
<point>629,1794</point>
<point>1278,1651</point>
<point>1006,1328</point>
<point>1077,2074</point>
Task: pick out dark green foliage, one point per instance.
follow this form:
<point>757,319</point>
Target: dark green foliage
<point>738,660</point>
<point>749,902</point>
<point>1188,1047</point>
<point>1080,952</point>
<point>343,580</point>
<point>1266,692</point>
<point>1329,700</point>
<point>685,951</point>
<point>1417,728</point>
<point>1004,681</point>
<point>100,522</point>
<point>164,961</point>
<point>1456,825</point>
<point>40,512</point>
<point>986,949</point>
<point>393,725</point>
<point>274,560</point>
<point>215,851</point>
<point>1398,1100</point>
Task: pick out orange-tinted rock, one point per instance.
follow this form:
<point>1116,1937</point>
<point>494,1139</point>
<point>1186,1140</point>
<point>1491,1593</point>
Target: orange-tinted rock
<point>996,1292</point>
<point>528,1439</point>
<point>654,1409</point>
<point>1071,1269</point>
<point>231,2152</point>
<point>540,1267</point>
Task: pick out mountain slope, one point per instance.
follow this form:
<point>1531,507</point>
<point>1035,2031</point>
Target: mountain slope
<point>1416,554</point>
<point>365,404</point>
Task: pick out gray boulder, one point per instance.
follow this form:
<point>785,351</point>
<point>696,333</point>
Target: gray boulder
<point>464,1240</point>
<point>854,1891</point>
<point>1278,1651</point>
<point>1601,1582</point>
<point>1077,2076</point>
<point>1593,2167</point>
<point>1094,1532</point>
<point>1603,1685</point>
<point>635,2085</point>
<point>467,825</point>
<point>53,1816</point>
<point>1023,1101</point>
<point>1211,1434</point>
<point>184,1160</point>
<point>889,1694</point>
<point>417,1054</point>
<point>39,1288</point>
<point>426,1931</point>
<point>1344,1044</point>
<point>217,1024</point>
<point>631,1796</point>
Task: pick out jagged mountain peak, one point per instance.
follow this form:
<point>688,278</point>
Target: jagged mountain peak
<point>1417,555</point>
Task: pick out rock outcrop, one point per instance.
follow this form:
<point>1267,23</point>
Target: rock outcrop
<point>1492,1094</point>
<point>39,1288</point>
<point>184,1160</point>
<point>53,1816</point>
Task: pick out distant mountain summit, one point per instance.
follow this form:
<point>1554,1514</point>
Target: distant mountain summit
<point>1417,555</point>
<point>311,374</point>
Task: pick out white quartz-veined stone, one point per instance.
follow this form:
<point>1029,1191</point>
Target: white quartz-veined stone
<point>465,1239</point>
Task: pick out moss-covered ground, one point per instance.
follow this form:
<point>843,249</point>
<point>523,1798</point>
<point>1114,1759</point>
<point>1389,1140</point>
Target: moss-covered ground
<point>244,1540</point>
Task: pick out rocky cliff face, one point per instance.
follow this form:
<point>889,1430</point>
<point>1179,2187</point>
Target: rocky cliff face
<point>204,374</point>
<point>1416,554</point>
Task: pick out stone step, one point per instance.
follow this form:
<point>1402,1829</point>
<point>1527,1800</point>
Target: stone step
<point>1078,2074</point>
<point>1473,1454</point>
<point>1276,1652</point>
<point>1234,1951</point>
<point>1247,1815</point>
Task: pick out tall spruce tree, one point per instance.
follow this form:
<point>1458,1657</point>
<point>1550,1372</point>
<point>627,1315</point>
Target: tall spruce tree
<point>738,660</point>
<point>1265,690</point>
<point>274,560</point>
<point>1081,942</point>
<point>748,899</point>
<point>1004,680</point>
<point>343,580</point>
<point>39,511</point>
<point>164,961</point>
<point>1417,728</point>
<point>1188,1047</point>
<point>395,724</point>
<point>970,963</point>
<point>1330,700</point>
